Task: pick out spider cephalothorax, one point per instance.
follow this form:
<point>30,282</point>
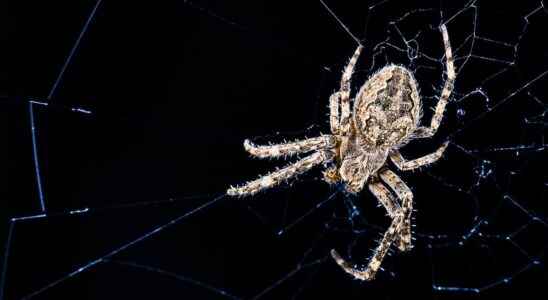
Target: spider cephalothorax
<point>385,116</point>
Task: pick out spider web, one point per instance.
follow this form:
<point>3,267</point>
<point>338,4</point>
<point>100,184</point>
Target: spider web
<point>481,222</point>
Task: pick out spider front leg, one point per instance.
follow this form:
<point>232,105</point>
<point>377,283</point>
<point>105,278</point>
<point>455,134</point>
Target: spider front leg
<point>392,207</point>
<point>424,132</point>
<point>375,262</point>
<point>406,197</point>
<point>399,226</point>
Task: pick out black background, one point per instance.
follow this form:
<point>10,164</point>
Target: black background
<point>176,86</point>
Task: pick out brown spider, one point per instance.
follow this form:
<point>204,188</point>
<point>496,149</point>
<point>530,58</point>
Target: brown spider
<point>386,116</point>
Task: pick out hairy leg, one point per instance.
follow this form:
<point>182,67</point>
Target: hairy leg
<point>406,196</point>
<point>424,132</point>
<point>288,149</point>
<point>374,264</point>
<point>277,177</point>
<point>345,92</point>
<point>392,207</point>
<point>334,112</point>
<point>400,226</point>
<point>385,198</point>
<point>405,165</point>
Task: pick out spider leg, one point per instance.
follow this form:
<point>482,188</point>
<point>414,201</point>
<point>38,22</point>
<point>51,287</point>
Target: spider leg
<point>406,196</point>
<point>278,176</point>
<point>334,112</point>
<point>375,262</point>
<point>392,206</point>
<point>405,165</point>
<point>385,198</point>
<point>345,92</point>
<point>288,149</point>
<point>425,132</point>
<point>401,221</point>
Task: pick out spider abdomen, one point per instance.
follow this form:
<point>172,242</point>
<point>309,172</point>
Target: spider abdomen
<point>387,108</point>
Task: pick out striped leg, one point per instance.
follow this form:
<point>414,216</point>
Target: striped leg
<point>375,262</point>
<point>400,226</point>
<point>334,102</point>
<point>288,149</point>
<point>424,132</point>
<point>406,197</point>
<point>405,165</point>
<point>345,92</point>
<point>392,206</point>
<point>277,177</point>
<point>385,198</point>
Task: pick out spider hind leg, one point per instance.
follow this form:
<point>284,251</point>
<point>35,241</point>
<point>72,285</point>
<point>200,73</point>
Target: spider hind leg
<point>429,131</point>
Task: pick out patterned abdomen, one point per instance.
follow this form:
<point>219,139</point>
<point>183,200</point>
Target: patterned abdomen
<point>387,108</point>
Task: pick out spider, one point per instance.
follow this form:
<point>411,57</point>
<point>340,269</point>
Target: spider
<point>386,115</point>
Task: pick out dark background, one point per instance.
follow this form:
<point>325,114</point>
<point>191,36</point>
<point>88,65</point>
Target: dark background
<point>176,86</point>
